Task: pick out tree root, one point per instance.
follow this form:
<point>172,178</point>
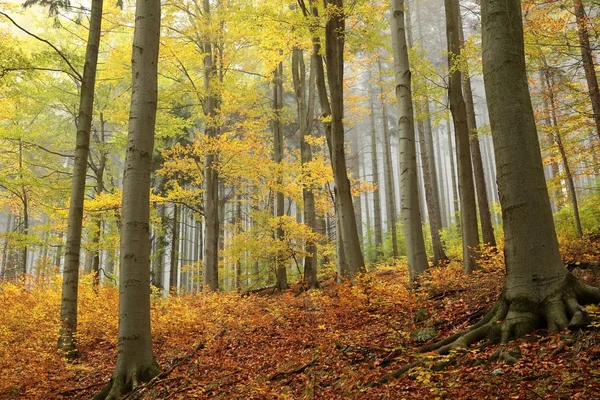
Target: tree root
<point>123,382</point>
<point>513,318</point>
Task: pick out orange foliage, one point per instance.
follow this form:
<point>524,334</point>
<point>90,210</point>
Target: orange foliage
<point>297,345</point>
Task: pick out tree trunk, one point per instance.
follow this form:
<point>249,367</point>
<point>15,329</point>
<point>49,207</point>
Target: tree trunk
<point>487,229</point>
<point>466,190</point>
<point>305,102</point>
<point>135,359</point>
<point>211,174</point>
<point>428,163</point>
<point>388,169</point>
<point>334,131</point>
<point>588,61</point>
<point>68,307</point>
<point>356,175</point>
<point>409,204</point>
<point>451,153</point>
<point>441,179</point>
<point>556,136</point>
<point>334,54</point>
<point>280,266</point>
<point>538,288</point>
<point>375,179</point>
<point>174,259</point>
<point>161,247</point>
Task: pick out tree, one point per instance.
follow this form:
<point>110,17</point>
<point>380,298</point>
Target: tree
<point>334,55</point>
<point>68,309</point>
<point>588,61</point>
<point>409,204</point>
<point>485,217</point>
<point>432,197</point>
<point>135,359</point>
<point>388,170</point>
<point>466,189</point>
<point>280,265</point>
<point>306,105</point>
<point>375,178</point>
<point>538,289</point>
<point>211,173</point>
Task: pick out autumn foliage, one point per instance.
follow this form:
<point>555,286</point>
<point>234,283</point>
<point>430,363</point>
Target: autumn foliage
<point>316,344</point>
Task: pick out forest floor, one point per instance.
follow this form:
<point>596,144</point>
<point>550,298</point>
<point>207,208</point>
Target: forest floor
<point>326,344</point>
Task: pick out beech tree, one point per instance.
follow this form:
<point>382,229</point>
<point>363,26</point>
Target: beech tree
<point>538,290</point>
<point>68,309</point>
<point>305,99</point>
<point>135,359</point>
<point>466,189</point>
<point>409,204</point>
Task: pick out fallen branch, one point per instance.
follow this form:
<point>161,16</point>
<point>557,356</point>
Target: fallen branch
<point>78,389</point>
<point>298,370</point>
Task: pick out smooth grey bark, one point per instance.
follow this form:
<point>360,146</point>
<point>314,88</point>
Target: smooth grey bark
<point>441,179</point>
<point>409,204</point>
<point>350,258</point>
<point>98,170</point>
<point>356,175</point>
<point>451,153</point>
<point>428,163</point>
<point>281,282</point>
<point>334,55</point>
<point>367,213</point>
<point>375,179</point>
<point>487,229</point>
<point>556,136</point>
<point>5,272</point>
<point>210,277</point>
<point>239,230</point>
<point>388,170</point>
<point>539,291</point>
<point>24,222</point>
<point>588,61</point>
<point>305,99</point>
<point>553,171</point>
<point>174,258</point>
<point>161,247</point>
<point>466,189</point>
<point>135,359</point>
<point>68,304</point>
<point>538,287</point>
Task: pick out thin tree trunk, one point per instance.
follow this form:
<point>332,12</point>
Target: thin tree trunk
<point>428,162</point>
<point>305,103</point>
<point>441,179</point>
<point>410,213</point>
<point>135,360</point>
<point>487,229</point>
<point>211,174</point>
<point>563,155</point>
<point>174,267</point>
<point>388,169</point>
<point>468,209</point>
<point>451,153</point>
<point>68,308</point>
<point>588,61</point>
<point>375,179</point>
<point>280,266</point>
<point>356,175</point>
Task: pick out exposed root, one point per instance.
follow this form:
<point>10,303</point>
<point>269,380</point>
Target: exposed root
<point>513,318</point>
<point>123,382</point>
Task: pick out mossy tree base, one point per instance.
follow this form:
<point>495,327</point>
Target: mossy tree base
<point>125,381</point>
<point>511,318</point>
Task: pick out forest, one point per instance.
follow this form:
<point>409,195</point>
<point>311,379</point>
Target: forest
<point>299,199</point>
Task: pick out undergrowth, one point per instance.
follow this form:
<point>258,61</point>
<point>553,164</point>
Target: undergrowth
<point>297,345</point>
